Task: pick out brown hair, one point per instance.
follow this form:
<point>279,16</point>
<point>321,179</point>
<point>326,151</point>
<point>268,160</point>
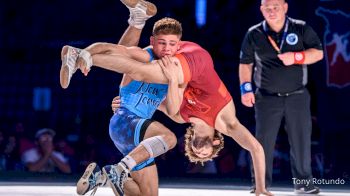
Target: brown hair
<point>189,151</point>
<point>167,26</point>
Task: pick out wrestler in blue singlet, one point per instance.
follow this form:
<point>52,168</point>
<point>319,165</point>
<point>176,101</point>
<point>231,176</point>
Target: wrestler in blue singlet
<point>139,101</point>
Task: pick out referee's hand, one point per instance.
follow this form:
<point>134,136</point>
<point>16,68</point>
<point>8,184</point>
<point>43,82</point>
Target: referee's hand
<point>248,99</point>
<point>287,58</point>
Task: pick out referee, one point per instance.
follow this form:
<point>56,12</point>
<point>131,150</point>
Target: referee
<point>279,49</point>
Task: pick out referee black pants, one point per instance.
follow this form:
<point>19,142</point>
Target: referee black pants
<point>295,109</point>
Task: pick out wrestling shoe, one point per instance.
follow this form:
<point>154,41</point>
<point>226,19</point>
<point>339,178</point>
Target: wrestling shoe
<point>69,56</point>
<point>116,177</point>
<point>140,11</point>
<point>311,189</point>
<point>91,179</point>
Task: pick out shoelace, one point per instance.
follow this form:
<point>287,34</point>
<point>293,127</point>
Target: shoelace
<point>96,181</point>
<point>123,176</point>
<point>113,176</point>
<point>93,180</point>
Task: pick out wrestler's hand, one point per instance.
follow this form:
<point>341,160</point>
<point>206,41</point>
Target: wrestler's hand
<point>115,103</point>
<point>248,99</point>
<point>82,65</point>
<point>287,58</point>
<point>169,68</point>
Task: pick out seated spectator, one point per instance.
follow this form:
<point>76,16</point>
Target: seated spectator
<point>43,157</point>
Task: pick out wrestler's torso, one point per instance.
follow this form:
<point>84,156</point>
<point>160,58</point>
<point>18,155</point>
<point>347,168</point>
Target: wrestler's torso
<point>205,95</point>
<point>142,98</point>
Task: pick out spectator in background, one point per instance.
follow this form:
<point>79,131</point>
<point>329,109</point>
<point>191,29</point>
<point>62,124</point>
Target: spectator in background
<point>43,157</point>
<point>11,153</point>
<point>23,141</point>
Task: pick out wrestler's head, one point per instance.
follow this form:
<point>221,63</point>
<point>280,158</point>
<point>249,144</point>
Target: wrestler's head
<point>274,11</point>
<point>202,149</point>
<point>166,37</point>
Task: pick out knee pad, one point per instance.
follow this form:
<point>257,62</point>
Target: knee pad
<point>155,146</point>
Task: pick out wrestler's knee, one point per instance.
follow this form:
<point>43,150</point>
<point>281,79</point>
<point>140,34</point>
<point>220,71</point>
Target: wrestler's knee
<point>147,191</point>
<point>170,139</point>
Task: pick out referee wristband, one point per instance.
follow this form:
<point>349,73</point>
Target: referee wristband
<point>246,87</point>
<point>299,58</point>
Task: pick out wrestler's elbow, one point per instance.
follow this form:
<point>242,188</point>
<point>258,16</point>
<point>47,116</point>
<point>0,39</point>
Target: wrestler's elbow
<point>171,111</point>
<point>256,148</point>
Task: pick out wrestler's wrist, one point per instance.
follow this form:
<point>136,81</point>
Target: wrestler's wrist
<point>299,58</point>
<point>173,80</point>
<point>246,87</point>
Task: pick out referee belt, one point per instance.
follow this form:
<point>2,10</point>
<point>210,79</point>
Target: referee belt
<point>266,92</point>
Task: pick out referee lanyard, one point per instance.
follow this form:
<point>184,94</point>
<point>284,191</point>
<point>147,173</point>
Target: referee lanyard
<point>273,43</point>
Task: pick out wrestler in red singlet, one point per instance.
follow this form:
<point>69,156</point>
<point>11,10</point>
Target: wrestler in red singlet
<point>205,94</point>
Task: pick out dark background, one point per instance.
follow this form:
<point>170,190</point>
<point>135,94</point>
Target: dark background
<point>32,34</point>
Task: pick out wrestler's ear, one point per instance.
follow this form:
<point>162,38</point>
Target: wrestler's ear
<point>179,45</point>
<point>151,39</point>
<point>216,142</point>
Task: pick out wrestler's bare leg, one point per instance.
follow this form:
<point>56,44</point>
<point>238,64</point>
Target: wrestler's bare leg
<point>146,179</point>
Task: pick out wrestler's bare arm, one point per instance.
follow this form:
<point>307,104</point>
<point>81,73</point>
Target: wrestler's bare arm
<point>228,124</point>
<point>172,100</point>
<point>163,106</point>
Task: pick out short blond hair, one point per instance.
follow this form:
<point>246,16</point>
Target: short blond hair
<point>167,26</point>
<point>189,151</point>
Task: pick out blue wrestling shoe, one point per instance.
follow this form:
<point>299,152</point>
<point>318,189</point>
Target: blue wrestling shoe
<point>116,177</point>
<point>91,179</point>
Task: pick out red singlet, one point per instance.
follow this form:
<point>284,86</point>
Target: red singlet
<point>205,94</point>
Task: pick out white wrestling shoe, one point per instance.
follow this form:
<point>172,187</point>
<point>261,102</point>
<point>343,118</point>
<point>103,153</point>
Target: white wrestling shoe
<point>92,178</point>
<point>69,56</point>
<point>117,175</point>
<point>140,11</point>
